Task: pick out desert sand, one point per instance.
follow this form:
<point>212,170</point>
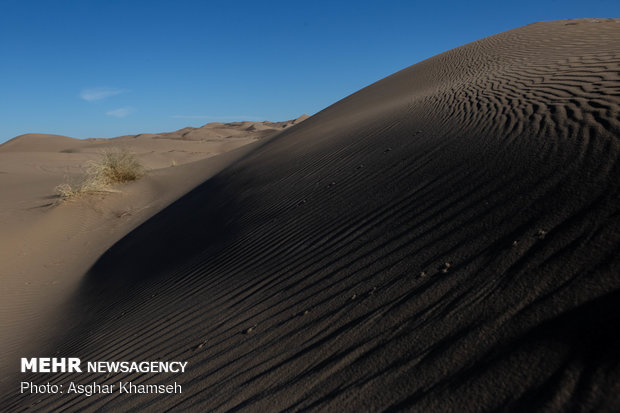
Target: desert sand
<point>445,239</point>
<point>47,244</point>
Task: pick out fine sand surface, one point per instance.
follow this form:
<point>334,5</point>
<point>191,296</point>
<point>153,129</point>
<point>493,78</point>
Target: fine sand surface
<point>446,239</point>
<point>46,246</point>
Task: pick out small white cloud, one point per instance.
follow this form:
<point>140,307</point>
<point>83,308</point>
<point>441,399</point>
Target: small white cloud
<point>120,112</point>
<point>98,93</point>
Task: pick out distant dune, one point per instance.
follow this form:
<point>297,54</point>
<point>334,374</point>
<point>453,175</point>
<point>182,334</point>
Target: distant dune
<point>446,239</point>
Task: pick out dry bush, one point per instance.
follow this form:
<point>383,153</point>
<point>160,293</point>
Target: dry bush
<point>66,190</point>
<point>116,166</point>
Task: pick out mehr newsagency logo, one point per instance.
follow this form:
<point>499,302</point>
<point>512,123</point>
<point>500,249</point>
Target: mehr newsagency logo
<point>44,365</point>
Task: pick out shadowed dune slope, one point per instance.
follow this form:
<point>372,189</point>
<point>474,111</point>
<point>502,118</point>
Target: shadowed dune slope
<point>446,239</point>
<point>47,245</point>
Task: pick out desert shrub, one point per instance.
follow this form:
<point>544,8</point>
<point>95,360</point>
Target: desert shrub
<point>66,190</point>
<point>116,166</point>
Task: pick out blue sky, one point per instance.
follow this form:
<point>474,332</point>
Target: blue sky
<point>103,68</point>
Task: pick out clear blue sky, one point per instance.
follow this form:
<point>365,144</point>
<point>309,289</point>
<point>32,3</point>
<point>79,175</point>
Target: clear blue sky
<point>103,68</point>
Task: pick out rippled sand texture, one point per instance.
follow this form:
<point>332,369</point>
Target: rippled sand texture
<point>446,239</point>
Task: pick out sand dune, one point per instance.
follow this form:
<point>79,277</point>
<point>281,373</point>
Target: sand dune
<point>446,239</point>
<point>45,248</point>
